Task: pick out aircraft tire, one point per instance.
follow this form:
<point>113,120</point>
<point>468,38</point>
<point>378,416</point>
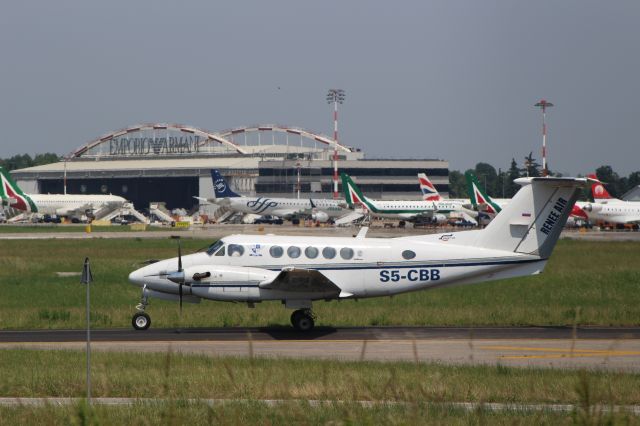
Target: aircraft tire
<point>302,320</point>
<point>141,321</point>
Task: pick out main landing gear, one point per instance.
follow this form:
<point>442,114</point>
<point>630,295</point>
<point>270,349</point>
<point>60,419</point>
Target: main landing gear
<point>303,320</point>
<point>141,320</point>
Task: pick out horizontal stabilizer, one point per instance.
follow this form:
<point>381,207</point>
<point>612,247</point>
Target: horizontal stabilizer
<point>531,223</point>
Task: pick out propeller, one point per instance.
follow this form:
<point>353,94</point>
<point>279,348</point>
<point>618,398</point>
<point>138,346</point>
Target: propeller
<point>178,276</point>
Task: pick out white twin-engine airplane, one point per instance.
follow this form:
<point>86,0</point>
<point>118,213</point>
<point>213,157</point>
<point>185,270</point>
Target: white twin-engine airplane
<point>54,204</point>
<point>300,270</point>
<point>320,210</point>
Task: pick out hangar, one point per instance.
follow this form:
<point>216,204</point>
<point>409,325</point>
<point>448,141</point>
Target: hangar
<point>171,163</point>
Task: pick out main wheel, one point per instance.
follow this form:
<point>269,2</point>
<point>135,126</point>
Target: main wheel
<point>141,321</point>
<point>302,320</point>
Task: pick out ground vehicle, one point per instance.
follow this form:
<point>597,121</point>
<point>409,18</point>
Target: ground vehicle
<point>268,220</point>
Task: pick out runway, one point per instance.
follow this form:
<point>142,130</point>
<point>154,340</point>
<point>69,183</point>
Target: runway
<point>584,347</point>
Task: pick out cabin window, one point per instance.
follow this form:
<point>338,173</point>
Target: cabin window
<point>346,253</point>
<point>311,252</point>
<point>236,250</point>
<point>294,252</point>
<point>408,254</point>
<point>329,252</point>
<point>220,252</point>
<point>276,251</point>
<point>214,247</point>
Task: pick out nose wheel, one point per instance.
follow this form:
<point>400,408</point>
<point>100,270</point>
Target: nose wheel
<point>141,321</point>
<point>302,320</point>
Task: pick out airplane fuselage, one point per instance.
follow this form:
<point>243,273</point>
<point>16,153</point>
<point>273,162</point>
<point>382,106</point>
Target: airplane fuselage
<point>65,204</point>
<point>360,267</point>
<point>613,211</point>
<point>283,207</point>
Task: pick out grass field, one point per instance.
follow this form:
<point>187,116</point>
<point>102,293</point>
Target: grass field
<point>585,282</point>
<point>418,388</point>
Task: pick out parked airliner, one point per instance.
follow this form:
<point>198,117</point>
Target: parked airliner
<point>54,204</point>
<point>609,209</point>
<point>298,270</point>
<point>411,210</point>
<point>319,209</point>
<point>454,207</point>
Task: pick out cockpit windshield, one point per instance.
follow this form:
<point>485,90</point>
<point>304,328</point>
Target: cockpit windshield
<point>215,247</point>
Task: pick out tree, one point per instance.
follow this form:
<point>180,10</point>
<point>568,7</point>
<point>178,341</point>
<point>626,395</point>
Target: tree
<point>531,166</point>
<point>488,177</point>
<point>512,174</point>
<point>25,160</point>
<point>457,185</point>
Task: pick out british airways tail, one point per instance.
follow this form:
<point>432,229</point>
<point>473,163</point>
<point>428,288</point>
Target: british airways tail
<point>220,186</point>
<point>429,191</point>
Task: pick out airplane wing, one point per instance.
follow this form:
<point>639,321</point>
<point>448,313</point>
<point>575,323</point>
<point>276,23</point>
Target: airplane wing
<point>302,281</point>
<point>349,217</point>
<point>203,200</point>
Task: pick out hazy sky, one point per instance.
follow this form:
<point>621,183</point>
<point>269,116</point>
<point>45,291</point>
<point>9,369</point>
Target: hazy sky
<point>455,80</point>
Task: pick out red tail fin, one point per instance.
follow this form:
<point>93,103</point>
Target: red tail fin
<point>598,190</point>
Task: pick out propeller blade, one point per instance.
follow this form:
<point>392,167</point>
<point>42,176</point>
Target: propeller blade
<point>179,257</point>
<point>180,291</point>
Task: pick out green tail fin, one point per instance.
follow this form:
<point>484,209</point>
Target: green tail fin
<point>12,195</point>
<point>478,196</point>
<point>353,195</point>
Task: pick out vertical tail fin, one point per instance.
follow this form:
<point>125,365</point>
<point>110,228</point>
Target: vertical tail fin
<point>598,190</point>
<point>220,187</point>
<point>531,223</point>
<point>12,195</point>
<point>479,198</point>
<point>353,195</point>
<point>429,191</point>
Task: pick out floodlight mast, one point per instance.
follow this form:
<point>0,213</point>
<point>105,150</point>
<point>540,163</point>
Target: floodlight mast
<point>335,96</point>
<point>543,105</point>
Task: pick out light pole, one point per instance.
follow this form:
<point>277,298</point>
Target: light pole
<point>543,105</point>
<point>87,278</point>
<point>335,96</point>
<point>298,185</point>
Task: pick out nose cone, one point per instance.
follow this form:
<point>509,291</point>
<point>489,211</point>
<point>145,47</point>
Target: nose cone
<point>137,277</point>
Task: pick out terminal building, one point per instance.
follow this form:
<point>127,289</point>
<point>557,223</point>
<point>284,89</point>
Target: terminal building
<point>172,163</point>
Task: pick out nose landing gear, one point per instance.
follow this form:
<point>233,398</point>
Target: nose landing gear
<point>303,320</point>
<point>141,320</point>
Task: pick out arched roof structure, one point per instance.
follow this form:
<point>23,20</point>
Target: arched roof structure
<point>224,138</point>
<point>208,136</point>
<point>283,129</point>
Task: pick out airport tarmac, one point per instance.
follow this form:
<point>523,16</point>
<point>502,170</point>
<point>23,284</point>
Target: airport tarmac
<point>559,347</point>
<point>214,232</point>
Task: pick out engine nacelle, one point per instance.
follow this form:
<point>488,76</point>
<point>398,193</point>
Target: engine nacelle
<point>592,208</point>
<point>320,216</point>
<point>439,218</point>
<point>213,274</point>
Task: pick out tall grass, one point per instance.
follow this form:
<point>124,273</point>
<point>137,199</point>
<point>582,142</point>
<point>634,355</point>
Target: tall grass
<point>600,279</point>
<point>32,373</point>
